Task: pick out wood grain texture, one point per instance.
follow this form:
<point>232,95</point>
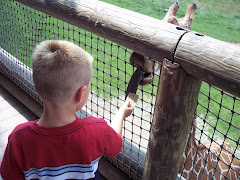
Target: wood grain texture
<point>213,61</point>
<point>208,59</point>
<point>175,105</point>
<point>18,72</point>
<point>135,31</point>
<point>111,172</point>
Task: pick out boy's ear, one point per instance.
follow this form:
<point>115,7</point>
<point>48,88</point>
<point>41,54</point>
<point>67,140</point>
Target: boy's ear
<point>80,93</point>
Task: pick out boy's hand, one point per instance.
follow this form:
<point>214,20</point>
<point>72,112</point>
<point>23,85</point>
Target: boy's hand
<point>126,109</point>
<point>123,112</point>
<point>129,105</point>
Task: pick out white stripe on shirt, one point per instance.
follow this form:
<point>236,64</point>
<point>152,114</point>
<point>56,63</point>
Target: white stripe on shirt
<point>69,171</point>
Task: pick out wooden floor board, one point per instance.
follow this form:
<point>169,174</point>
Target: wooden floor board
<point>10,102</point>
<point>2,150</point>
<point>12,113</point>
<point>4,137</point>
<point>10,123</point>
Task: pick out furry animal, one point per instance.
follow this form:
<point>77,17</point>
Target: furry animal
<point>208,160</point>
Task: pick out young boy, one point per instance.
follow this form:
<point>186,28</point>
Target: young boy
<point>59,145</point>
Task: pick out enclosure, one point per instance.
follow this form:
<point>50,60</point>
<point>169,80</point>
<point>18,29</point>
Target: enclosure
<point>198,73</point>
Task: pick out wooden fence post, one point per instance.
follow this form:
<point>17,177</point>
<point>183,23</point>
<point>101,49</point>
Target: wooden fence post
<point>175,105</point>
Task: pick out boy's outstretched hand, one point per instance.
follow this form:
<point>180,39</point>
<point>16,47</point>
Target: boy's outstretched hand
<point>123,112</point>
<point>126,109</point>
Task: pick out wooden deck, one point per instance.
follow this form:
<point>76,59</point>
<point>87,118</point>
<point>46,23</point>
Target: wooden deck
<point>12,113</point>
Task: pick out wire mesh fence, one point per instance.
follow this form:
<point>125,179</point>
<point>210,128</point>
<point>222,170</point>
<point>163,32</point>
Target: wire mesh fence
<point>212,148</point>
<point>22,28</point>
<point>217,122</point>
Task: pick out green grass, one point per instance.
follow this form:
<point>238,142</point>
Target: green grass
<point>218,19</point>
<point>221,112</point>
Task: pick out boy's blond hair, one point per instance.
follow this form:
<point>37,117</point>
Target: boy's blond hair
<point>59,69</point>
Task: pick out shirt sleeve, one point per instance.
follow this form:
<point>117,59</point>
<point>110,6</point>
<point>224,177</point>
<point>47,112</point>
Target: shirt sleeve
<point>113,142</point>
<point>9,167</point>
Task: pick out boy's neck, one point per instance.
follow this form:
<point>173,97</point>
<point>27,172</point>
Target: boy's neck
<point>56,115</point>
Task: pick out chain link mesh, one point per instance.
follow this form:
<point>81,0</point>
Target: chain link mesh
<point>218,112</point>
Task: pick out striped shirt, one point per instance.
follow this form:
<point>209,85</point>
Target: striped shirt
<point>68,152</point>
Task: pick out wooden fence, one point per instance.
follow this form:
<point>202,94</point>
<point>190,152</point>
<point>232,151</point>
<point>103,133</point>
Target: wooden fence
<point>187,59</point>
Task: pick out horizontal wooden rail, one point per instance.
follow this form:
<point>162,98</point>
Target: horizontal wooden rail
<point>208,59</point>
<point>18,72</point>
<point>21,95</point>
<point>135,31</point>
<point>211,60</point>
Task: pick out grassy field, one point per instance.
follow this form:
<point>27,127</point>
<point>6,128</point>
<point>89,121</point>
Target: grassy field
<point>219,19</point>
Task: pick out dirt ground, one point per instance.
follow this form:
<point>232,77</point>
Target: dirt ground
<point>238,44</point>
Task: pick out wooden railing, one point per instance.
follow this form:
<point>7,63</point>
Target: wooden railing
<point>187,58</point>
<point>205,58</point>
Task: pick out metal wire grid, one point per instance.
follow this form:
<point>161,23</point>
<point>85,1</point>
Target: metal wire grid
<point>111,75</point>
<point>217,123</point>
<point>17,41</point>
<point>22,28</point>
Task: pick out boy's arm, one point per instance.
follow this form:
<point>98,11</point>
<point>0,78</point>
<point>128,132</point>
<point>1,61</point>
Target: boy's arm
<point>123,112</point>
<point>113,147</point>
